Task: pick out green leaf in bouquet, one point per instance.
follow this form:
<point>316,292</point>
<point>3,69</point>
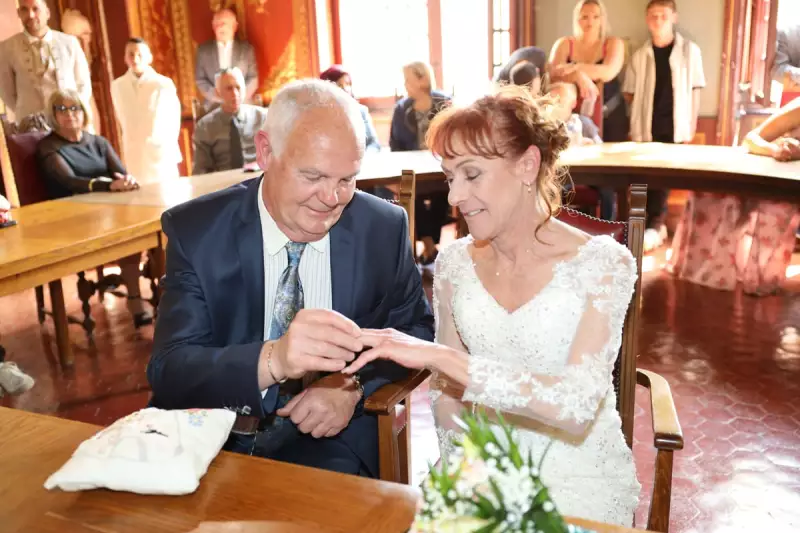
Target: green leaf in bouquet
<point>514,455</point>
<point>484,507</point>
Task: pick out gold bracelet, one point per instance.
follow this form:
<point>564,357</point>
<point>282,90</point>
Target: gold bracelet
<point>91,184</point>
<point>269,365</point>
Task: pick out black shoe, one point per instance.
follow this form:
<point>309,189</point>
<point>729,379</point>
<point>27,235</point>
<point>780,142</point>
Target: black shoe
<point>140,318</point>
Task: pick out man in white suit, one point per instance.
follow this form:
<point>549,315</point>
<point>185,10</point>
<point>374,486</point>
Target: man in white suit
<point>36,62</point>
<point>149,113</point>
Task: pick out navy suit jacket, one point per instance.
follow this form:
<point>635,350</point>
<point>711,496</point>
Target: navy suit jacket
<point>210,326</point>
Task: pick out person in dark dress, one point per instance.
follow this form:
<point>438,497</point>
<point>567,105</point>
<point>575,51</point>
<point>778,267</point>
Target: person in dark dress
<point>410,121</point>
<point>591,56</point>
<point>73,161</point>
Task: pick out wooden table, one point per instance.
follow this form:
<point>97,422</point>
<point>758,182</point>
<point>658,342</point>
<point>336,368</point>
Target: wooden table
<point>683,166</point>
<point>56,239</point>
<point>168,193</point>
<point>671,166</point>
<point>383,168</point>
<point>617,165</point>
<point>239,494</point>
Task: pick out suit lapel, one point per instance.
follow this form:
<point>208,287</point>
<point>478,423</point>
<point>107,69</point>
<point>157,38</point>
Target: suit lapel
<point>343,264</point>
<point>250,244</point>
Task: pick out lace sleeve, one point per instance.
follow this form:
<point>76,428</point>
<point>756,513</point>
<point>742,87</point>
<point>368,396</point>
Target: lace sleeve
<point>444,392</point>
<point>568,400</point>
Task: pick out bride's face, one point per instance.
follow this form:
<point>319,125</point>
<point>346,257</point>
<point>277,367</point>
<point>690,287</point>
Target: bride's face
<point>491,193</point>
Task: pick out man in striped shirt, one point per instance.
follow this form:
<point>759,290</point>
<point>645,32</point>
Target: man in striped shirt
<point>662,85</point>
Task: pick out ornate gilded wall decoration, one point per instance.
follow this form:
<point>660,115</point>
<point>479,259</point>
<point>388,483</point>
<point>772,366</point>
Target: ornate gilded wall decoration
<point>302,39</point>
<point>184,52</point>
<point>284,71</point>
<point>259,5</point>
<point>154,24</point>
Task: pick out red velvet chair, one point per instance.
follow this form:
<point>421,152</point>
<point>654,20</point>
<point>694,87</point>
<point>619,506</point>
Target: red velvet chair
<point>22,152</point>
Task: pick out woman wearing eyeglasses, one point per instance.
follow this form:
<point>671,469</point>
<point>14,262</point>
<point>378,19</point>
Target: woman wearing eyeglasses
<point>73,161</point>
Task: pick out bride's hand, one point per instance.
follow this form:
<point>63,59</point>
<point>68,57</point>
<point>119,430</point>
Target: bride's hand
<point>403,349</point>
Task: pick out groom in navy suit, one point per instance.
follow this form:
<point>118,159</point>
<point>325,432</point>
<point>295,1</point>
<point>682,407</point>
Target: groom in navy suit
<point>270,281</point>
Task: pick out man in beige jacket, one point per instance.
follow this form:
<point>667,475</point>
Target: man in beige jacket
<point>37,61</point>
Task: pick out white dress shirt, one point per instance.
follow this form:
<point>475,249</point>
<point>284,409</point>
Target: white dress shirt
<point>225,54</point>
<point>315,266</point>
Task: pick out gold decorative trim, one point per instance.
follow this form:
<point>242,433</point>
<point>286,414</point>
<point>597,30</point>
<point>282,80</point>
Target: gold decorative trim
<point>242,11</point>
<point>9,180</point>
<point>301,39</point>
<point>259,5</point>
<point>284,71</point>
<point>184,52</point>
<point>187,149</point>
<point>134,17</point>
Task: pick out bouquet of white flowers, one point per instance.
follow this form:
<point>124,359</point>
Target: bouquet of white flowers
<point>488,486</point>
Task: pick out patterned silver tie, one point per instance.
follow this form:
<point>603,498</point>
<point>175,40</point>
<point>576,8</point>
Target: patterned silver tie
<point>289,296</point>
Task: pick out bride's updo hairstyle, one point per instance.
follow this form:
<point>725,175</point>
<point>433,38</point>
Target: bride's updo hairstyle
<point>505,125</point>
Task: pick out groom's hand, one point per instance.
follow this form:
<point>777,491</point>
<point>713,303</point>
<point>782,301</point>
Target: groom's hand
<point>325,408</point>
<point>317,340</point>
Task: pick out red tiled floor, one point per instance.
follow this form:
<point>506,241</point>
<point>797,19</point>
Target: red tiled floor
<point>733,363</point>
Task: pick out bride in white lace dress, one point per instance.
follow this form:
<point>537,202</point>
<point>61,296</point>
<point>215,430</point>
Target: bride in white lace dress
<point>529,311</point>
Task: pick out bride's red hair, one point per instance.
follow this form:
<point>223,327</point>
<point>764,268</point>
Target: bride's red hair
<point>504,125</point>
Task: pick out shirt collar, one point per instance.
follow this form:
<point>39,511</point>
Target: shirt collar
<point>239,115</point>
<point>274,239</point>
<point>227,45</point>
<point>46,38</point>
<point>145,75</point>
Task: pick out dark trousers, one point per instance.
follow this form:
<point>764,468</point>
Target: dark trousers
<point>327,453</point>
<point>656,210</point>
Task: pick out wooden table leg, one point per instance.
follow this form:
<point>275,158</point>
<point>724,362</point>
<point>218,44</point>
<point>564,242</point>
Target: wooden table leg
<point>60,322</point>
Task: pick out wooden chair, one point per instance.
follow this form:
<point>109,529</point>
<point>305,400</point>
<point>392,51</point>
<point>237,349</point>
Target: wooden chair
<point>21,169</point>
<point>666,428</point>
<point>392,403</point>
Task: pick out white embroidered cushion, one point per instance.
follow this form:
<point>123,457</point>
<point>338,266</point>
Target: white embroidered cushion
<point>151,451</point>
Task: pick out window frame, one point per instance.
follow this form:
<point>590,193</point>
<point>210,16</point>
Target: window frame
<point>435,41</point>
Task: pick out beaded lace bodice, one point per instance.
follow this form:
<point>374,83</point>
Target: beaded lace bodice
<point>547,366</point>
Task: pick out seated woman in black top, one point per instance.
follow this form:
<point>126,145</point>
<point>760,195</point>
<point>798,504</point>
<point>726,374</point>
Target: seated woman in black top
<point>73,161</point>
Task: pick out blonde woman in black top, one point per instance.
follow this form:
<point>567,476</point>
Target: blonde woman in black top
<point>73,161</point>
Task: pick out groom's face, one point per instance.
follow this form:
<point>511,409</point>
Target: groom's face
<point>308,185</point>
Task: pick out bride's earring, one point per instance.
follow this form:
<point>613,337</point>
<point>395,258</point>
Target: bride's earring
<point>530,187</point>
